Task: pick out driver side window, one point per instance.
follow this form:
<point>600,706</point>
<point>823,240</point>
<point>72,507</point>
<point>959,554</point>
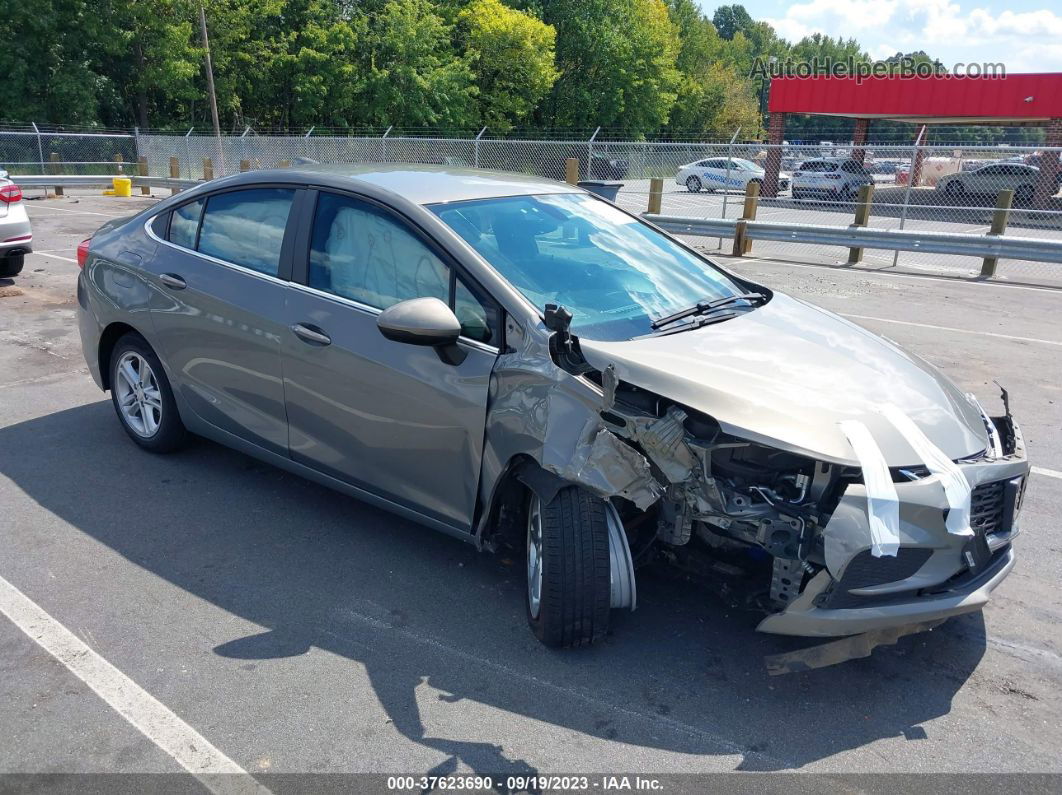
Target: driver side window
<point>360,252</point>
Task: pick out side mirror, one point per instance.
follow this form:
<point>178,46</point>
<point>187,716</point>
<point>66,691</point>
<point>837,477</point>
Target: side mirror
<point>424,321</point>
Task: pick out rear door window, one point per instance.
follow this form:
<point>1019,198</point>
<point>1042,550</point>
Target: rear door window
<point>246,227</point>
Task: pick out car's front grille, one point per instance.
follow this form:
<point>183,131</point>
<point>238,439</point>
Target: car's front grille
<point>986,507</point>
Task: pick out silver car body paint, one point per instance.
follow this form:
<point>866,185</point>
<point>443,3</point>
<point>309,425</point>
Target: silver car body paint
<point>443,439</point>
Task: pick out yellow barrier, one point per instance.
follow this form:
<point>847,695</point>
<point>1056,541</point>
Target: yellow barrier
<point>123,186</point>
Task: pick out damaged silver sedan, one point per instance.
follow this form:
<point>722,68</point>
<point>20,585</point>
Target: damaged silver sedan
<point>516,362</point>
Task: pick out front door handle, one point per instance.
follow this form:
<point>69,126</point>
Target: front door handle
<point>311,334</point>
<point>173,281</point>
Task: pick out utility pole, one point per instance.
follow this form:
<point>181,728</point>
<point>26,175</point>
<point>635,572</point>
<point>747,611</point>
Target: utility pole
<point>209,71</point>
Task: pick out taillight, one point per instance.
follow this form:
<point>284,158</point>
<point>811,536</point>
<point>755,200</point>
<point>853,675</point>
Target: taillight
<point>9,194</point>
<point>82,252</point>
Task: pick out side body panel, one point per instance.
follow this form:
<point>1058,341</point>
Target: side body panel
<point>220,338</point>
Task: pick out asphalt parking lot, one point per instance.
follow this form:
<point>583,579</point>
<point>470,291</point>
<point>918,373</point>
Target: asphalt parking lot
<point>297,630</point>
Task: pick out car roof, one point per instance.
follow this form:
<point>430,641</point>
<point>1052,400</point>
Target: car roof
<point>428,184</point>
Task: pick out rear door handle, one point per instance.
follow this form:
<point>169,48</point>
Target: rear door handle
<point>173,281</point>
<point>311,334</point>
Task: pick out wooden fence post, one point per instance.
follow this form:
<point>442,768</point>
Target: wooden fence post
<point>748,213</point>
<point>284,164</point>
<point>862,215</point>
<point>175,173</point>
<point>55,169</point>
<point>245,165</point>
<point>142,170</point>
<point>571,171</point>
<point>656,195</point>
<point>208,169</point>
<point>999,226</point>
<point>119,161</point>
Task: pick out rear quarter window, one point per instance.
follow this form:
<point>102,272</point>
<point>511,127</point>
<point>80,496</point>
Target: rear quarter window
<point>184,223</point>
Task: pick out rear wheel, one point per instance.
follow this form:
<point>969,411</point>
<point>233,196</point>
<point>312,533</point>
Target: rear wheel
<point>11,265</point>
<point>568,574</point>
<point>693,184</point>
<point>142,396</point>
<point>955,188</point>
<point>1024,193</point>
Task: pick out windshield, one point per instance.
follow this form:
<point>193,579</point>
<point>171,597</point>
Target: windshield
<point>612,272</point>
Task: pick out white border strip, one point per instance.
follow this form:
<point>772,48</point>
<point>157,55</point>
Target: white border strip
<point>146,713</point>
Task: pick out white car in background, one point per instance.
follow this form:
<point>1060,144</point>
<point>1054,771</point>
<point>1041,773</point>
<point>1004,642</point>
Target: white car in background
<point>830,178</point>
<point>16,235</point>
<point>721,173</point>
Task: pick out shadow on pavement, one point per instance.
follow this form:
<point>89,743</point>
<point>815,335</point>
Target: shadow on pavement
<point>682,673</point>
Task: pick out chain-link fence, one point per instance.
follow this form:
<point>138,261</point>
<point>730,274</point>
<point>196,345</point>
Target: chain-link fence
<point>953,188</point>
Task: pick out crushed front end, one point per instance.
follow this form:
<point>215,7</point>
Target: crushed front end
<point>801,529</point>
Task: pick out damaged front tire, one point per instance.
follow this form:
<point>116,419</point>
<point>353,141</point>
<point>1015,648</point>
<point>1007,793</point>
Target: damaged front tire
<point>568,574</point>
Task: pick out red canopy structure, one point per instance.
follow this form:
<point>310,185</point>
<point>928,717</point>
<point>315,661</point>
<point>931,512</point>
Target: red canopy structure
<point>1013,100</point>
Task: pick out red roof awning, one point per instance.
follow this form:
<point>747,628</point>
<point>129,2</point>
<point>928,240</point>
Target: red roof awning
<point>939,99</point>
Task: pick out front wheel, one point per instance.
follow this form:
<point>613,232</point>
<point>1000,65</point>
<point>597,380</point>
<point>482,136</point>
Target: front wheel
<point>142,396</point>
<point>568,568</point>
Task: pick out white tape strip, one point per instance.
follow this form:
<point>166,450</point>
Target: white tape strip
<point>883,506</point>
<point>956,486</point>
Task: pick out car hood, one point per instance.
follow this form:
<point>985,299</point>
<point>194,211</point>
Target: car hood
<point>787,373</point>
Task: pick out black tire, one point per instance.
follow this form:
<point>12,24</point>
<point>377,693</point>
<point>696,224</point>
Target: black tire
<point>170,433</point>
<point>12,265</point>
<point>693,184</point>
<point>955,188</point>
<point>575,593</point>
<point>798,194</point>
<point>1024,194</point>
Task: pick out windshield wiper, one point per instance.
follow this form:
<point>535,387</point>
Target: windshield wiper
<point>707,307</point>
<point>698,322</point>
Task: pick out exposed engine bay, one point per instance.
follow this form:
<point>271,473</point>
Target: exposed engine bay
<point>730,494</point>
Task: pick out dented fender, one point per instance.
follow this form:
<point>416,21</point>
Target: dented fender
<point>538,411</point>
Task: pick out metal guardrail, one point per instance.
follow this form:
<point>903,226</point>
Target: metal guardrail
<point>99,180</point>
<point>1001,247</point>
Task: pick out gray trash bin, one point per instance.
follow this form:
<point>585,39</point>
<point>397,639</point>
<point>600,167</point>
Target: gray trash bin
<point>604,189</point>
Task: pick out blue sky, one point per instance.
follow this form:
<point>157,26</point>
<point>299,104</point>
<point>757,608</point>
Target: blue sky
<point>1024,35</point>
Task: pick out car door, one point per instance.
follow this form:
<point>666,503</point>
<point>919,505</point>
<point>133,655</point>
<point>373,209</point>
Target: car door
<point>220,328</point>
<point>391,418</point>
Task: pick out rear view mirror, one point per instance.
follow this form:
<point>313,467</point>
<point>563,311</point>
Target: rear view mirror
<point>423,321</point>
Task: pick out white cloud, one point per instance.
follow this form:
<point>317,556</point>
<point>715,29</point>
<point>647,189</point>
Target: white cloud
<point>1024,41</point>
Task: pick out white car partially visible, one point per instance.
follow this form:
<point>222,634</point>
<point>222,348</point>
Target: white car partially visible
<point>16,236</point>
<point>722,173</point>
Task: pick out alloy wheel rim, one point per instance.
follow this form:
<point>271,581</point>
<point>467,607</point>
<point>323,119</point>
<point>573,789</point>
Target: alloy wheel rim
<point>138,395</point>
<point>534,557</point>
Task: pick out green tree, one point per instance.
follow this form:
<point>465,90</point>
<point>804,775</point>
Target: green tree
<point>713,97</point>
<point>512,57</point>
<point>47,63</point>
<point>147,52</point>
<point>617,61</point>
<point>412,76</point>
<point>731,20</point>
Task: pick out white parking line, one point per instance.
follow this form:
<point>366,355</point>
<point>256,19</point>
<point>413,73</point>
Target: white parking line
<point>147,714</point>
<point>950,328</point>
<point>53,256</point>
<point>72,212</point>
<point>1051,473</point>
